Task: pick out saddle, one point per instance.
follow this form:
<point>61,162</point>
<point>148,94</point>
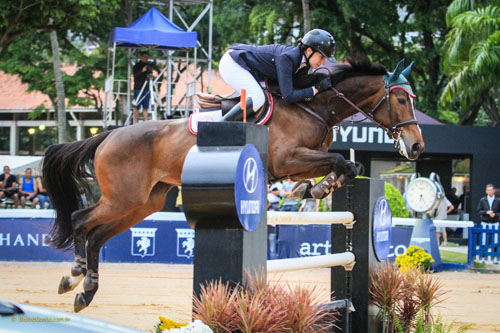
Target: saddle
<point>210,102</point>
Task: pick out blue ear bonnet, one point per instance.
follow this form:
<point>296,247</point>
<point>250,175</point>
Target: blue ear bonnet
<point>399,78</point>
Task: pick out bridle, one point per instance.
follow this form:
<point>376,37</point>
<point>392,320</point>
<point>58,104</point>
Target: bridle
<point>394,131</point>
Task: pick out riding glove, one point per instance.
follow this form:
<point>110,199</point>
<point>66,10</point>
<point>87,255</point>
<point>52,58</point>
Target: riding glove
<point>324,84</point>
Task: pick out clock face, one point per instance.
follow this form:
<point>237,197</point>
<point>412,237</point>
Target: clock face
<point>421,195</point>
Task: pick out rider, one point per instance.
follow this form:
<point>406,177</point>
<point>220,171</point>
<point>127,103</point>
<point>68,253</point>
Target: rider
<point>244,66</point>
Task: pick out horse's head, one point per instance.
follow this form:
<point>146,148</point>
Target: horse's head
<point>399,116</point>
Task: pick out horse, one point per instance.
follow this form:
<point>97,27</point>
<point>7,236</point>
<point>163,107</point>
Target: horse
<point>135,166</point>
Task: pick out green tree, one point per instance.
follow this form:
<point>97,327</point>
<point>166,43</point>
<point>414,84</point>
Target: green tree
<point>472,59</point>
<point>33,57</point>
<point>19,17</point>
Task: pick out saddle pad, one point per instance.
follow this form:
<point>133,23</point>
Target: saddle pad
<point>197,116</point>
<point>215,115</point>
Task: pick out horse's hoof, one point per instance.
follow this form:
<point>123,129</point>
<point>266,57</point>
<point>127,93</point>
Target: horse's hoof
<point>300,189</point>
<point>80,303</point>
<point>64,285</point>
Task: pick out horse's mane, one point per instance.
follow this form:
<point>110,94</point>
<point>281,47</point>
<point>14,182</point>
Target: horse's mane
<point>339,72</point>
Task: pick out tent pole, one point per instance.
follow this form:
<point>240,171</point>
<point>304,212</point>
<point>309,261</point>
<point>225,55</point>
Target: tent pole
<point>129,84</point>
<point>209,60</point>
<point>106,91</point>
<point>112,83</point>
<point>169,60</point>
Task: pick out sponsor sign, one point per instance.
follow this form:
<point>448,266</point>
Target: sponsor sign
<point>185,242</point>
<point>250,188</point>
<point>143,241</point>
<point>382,228</point>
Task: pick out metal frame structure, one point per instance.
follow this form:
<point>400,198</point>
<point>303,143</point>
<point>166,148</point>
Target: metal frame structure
<point>120,88</point>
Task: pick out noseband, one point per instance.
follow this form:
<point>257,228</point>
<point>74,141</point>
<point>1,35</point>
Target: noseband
<point>394,131</point>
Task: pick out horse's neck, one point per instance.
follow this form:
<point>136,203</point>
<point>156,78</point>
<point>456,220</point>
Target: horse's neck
<point>361,91</point>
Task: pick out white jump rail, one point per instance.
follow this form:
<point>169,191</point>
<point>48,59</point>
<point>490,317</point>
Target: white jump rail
<point>296,218</point>
<point>345,259</point>
<point>437,223</point>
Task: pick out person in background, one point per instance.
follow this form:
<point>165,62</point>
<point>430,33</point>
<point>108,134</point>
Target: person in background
<point>273,199</point>
<point>489,213</point>
<point>489,206</point>
<point>43,195</point>
<point>311,204</point>
<point>443,209</point>
<point>464,202</point>
<point>141,71</point>
<point>273,196</point>
<point>289,204</point>
<point>28,189</point>
<point>8,186</point>
<point>454,199</point>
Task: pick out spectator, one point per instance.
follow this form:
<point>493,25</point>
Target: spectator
<point>489,206</point>
<point>142,69</point>
<point>28,189</point>
<point>443,209</point>
<point>311,204</point>
<point>489,212</point>
<point>464,202</point>
<point>43,195</point>
<point>454,199</point>
<point>289,204</point>
<point>273,196</point>
<point>8,186</point>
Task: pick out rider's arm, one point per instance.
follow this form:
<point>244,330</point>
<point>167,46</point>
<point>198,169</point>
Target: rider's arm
<point>284,70</point>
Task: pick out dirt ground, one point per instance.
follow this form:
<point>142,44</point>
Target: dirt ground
<point>136,294</point>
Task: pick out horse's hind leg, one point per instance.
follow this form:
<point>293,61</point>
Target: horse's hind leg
<point>79,267</point>
<point>100,234</point>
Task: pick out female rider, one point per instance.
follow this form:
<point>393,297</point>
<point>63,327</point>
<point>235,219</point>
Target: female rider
<point>244,66</point>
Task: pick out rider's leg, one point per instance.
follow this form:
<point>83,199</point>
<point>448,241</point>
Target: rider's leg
<point>239,78</point>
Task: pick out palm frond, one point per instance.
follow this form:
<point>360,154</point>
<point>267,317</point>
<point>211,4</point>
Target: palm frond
<point>485,55</point>
<point>457,7</point>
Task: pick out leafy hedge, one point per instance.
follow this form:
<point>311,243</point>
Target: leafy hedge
<point>396,201</point>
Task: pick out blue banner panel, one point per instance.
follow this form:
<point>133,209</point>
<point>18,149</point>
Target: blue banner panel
<point>313,240</point>
<point>303,240</point>
<point>22,239</point>
<point>153,241</point>
<point>400,242</point>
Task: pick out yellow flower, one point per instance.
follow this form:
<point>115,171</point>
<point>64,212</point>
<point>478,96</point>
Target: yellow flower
<point>167,324</point>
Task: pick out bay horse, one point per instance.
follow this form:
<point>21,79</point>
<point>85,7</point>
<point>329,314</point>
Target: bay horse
<point>135,166</point>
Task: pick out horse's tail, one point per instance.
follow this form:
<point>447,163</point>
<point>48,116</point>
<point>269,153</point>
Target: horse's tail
<point>66,169</point>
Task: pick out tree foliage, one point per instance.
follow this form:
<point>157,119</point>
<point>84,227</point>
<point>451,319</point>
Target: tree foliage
<point>472,59</point>
<point>455,44</point>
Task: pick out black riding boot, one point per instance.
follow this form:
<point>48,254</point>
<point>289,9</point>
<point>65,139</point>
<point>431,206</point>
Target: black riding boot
<point>236,113</point>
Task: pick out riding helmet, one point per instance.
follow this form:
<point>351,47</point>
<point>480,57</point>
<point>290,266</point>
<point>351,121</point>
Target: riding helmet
<point>320,41</point>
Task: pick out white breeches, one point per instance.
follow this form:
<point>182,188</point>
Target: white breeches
<point>239,78</point>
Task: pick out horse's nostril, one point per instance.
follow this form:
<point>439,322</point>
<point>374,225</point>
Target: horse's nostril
<point>416,147</point>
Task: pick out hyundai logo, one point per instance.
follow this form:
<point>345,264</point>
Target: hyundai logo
<point>250,175</point>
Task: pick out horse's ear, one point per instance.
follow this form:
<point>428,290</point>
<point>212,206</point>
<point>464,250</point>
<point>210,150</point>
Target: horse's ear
<point>407,70</point>
<point>399,68</point>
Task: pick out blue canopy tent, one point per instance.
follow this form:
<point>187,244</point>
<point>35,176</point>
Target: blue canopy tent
<point>152,31</point>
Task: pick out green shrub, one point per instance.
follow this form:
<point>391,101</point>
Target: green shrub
<point>396,201</point>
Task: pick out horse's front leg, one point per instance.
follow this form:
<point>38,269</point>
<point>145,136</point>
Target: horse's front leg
<point>306,163</point>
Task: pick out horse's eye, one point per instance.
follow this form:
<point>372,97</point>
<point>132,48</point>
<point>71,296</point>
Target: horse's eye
<point>402,101</point>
